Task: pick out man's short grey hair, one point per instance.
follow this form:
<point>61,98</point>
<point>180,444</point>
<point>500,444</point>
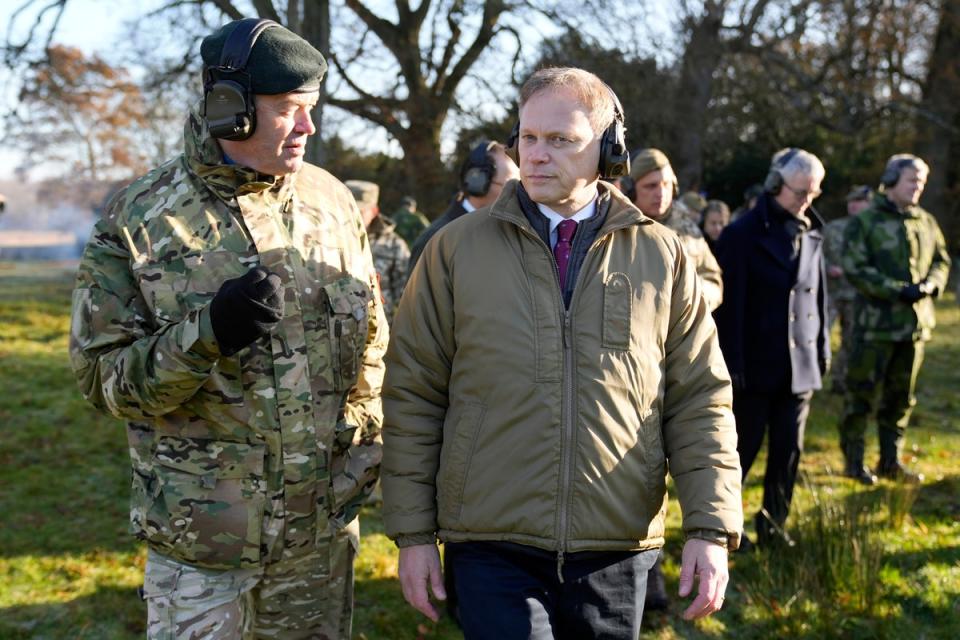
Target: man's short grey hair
<point>901,161</point>
<point>592,92</point>
<point>801,163</point>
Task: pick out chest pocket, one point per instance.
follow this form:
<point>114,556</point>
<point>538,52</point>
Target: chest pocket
<point>617,304</point>
<point>174,287</point>
<point>347,302</point>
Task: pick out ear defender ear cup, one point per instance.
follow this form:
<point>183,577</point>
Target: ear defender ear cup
<point>476,175</point>
<point>227,96</point>
<point>614,157</point>
<point>891,175</point>
<point>513,140</point>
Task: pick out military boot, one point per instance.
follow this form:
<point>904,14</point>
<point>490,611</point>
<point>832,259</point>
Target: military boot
<point>890,467</point>
<point>854,468</point>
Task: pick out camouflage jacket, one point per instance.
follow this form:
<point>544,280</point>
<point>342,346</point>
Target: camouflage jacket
<point>885,250</point>
<point>240,460</point>
<point>839,288</point>
<point>390,257</point>
<point>409,224</point>
<point>697,248</point>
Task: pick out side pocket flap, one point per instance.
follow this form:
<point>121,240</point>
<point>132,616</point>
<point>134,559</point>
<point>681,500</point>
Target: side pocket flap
<point>348,296</point>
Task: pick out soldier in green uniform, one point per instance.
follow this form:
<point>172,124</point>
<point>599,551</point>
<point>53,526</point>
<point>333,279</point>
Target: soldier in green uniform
<point>390,252</point>
<point>840,300</point>
<point>896,258</point>
<point>227,309</point>
<point>410,222</point>
<point>655,186</point>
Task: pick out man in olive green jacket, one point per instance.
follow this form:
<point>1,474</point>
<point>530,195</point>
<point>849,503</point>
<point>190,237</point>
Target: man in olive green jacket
<point>534,398</point>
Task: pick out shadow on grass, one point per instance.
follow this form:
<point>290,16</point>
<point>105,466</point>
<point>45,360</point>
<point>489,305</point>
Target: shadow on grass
<point>83,618</point>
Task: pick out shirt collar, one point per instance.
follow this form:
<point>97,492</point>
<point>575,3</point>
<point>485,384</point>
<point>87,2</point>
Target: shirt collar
<point>555,218</point>
<point>465,203</point>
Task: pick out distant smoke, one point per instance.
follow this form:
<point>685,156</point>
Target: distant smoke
<point>31,230</point>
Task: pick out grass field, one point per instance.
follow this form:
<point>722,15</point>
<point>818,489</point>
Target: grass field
<point>877,563</point>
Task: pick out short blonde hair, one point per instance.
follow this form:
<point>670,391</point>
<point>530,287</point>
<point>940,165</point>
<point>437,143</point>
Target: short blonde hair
<point>592,92</point>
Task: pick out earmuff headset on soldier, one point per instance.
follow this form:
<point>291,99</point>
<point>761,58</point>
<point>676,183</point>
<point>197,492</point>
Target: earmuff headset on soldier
<point>476,175</point>
<point>227,95</point>
<point>614,158</point>
<point>891,174</point>
<point>774,181</point>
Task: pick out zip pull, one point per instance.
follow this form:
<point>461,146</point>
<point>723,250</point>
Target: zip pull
<point>566,329</point>
<point>560,566</point>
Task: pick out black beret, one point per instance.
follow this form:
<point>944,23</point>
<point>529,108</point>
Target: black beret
<point>280,62</point>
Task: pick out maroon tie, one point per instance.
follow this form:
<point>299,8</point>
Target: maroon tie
<point>561,250</point>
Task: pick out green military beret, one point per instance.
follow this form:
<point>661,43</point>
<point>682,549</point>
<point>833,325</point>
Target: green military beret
<point>860,192</point>
<point>648,161</point>
<point>366,193</point>
<point>693,201</point>
<point>280,61</point>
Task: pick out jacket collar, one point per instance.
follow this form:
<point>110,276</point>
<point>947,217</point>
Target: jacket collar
<point>204,158</point>
<point>766,210</point>
<point>883,203</point>
<point>622,213</point>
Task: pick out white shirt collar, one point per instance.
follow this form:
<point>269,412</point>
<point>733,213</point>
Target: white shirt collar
<point>467,206</point>
<point>555,218</point>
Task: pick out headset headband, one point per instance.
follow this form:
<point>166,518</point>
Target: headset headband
<point>239,44</point>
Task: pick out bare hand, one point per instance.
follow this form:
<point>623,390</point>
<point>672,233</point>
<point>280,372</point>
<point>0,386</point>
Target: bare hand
<point>419,565</point>
<point>708,562</point>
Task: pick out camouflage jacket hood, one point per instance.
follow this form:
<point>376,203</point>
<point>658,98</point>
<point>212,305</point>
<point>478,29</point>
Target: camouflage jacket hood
<point>886,249</point>
<point>236,460</point>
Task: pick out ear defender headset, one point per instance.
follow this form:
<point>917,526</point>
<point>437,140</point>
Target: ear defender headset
<point>774,181</point>
<point>614,158</point>
<point>476,175</point>
<point>227,95</point>
<point>891,174</point>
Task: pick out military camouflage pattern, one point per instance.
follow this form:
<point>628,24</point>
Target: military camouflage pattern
<point>840,298</point>
<point>891,367</point>
<point>833,234</point>
<point>885,250</point>
<point>697,248</point>
<point>409,224</point>
<point>309,596</point>
<point>240,461</point>
<point>390,257</point>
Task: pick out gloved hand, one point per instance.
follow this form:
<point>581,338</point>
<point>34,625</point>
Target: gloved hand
<point>912,293</point>
<point>246,308</point>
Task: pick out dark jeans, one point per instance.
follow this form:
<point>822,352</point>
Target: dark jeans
<point>782,415</point>
<point>511,592</point>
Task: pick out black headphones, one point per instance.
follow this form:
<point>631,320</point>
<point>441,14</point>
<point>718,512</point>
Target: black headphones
<point>614,158</point>
<point>891,174</point>
<point>774,180</point>
<point>477,171</point>
<point>227,95</point>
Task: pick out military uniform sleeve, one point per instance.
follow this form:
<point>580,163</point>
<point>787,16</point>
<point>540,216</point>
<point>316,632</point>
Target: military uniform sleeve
<point>709,271</point>
<point>698,425</point>
<point>126,362</point>
<point>940,265</point>
<point>415,399</point>
<point>859,267</point>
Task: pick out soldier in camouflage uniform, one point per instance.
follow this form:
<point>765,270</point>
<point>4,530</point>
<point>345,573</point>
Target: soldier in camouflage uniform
<point>840,300</point>
<point>896,258</point>
<point>655,186</point>
<point>227,308</point>
<point>410,222</point>
<point>390,252</point>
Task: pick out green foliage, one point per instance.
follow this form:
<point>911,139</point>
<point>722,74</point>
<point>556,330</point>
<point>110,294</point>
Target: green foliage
<point>869,563</point>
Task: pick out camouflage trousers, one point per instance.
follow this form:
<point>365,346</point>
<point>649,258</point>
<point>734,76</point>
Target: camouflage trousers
<point>841,310</point>
<point>892,367</point>
<point>310,596</point>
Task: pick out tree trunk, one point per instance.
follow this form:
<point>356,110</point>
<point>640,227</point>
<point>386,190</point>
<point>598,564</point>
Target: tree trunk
<point>938,127</point>
<point>316,30</point>
<point>425,173</point>
<point>700,61</point>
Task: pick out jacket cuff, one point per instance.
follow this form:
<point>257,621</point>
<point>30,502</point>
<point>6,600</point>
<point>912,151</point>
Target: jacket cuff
<point>729,541</point>
<point>199,337</point>
<point>414,539</point>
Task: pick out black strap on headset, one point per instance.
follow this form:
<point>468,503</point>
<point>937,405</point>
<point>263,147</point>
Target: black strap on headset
<point>239,44</point>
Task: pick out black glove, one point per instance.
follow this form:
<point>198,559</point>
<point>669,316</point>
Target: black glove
<point>912,293</point>
<point>246,308</point>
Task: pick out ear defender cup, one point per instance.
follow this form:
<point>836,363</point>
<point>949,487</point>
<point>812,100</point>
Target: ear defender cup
<point>773,183</point>
<point>614,157</point>
<point>513,140</point>
<point>891,175</point>
<point>228,104</point>
<point>476,175</point>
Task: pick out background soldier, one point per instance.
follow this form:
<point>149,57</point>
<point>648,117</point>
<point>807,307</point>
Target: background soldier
<point>655,186</point>
<point>390,252</point>
<point>226,306</point>
<point>410,222</point>
<point>896,257</point>
<point>841,294</point>
<point>482,176</point>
